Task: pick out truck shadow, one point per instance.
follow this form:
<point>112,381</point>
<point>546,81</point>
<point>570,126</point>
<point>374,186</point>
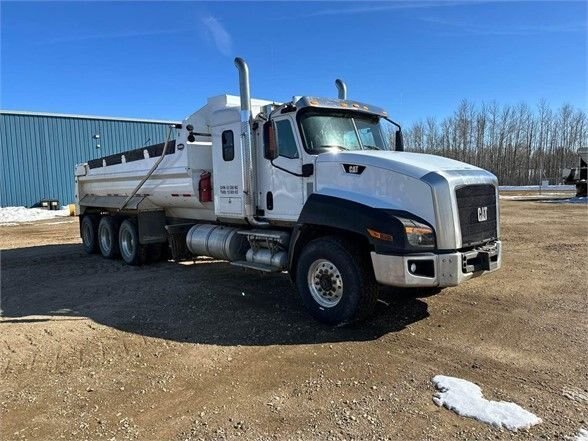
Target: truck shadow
<point>203,302</point>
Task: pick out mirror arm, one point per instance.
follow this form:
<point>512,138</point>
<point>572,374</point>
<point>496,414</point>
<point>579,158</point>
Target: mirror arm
<point>393,122</point>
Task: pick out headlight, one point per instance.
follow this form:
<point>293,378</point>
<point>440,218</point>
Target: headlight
<point>418,235</point>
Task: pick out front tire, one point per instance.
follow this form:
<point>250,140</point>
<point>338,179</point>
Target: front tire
<point>336,281</point>
<point>108,237</point>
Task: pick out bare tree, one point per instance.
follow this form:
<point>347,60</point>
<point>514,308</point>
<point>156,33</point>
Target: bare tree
<point>520,145</point>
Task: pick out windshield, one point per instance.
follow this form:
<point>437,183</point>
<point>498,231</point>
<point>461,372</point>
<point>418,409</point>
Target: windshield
<point>346,131</point>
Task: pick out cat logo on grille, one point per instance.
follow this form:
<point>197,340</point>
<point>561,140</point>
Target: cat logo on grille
<point>482,214</point>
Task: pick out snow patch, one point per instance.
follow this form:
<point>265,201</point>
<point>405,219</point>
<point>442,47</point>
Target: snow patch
<point>536,187</point>
<point>575,200</point>
<point>549,198</point>
<point>61,222</point>
<point>535,197</point>
<point>466,399</point>
<point>581,436</point>
<point>15,215</point>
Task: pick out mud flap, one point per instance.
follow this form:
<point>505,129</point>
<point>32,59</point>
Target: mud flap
<point>151,227</point>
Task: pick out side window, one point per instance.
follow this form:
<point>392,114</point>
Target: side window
<point>228,145</point>
<point>286,141</point>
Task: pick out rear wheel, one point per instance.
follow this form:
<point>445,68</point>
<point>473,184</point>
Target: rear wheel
<point>108,237</point>
<point>131,250</point>
<point>335,281</point>
<point>88,233</point>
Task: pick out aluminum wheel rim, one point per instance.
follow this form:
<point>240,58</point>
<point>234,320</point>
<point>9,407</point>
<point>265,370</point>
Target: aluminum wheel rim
<point>105,240</point>
<point>325,283</point>
<point>127,244</point>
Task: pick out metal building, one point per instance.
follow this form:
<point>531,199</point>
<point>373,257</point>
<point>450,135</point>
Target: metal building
<point>38,151</point>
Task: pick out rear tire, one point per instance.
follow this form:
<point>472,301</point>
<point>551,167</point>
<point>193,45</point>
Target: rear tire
<point>89,234</point>
<point>132,252</point>
<point>108,237</point>
<point>335,280</point>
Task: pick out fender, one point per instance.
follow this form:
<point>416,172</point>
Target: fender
<point>345,215</point>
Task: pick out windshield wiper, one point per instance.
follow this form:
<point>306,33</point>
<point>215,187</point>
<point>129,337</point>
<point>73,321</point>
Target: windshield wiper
<point>371,147</point>
<point>328,146</point>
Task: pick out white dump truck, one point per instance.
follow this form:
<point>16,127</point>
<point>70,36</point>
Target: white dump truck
<point>318,187</point>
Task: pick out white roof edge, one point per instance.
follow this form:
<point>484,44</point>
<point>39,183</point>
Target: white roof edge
<point>66,115</point>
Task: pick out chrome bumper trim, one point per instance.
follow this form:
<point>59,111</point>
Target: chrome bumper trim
<point>448,268</point>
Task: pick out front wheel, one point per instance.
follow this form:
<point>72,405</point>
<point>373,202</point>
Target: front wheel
<point>335,280</point>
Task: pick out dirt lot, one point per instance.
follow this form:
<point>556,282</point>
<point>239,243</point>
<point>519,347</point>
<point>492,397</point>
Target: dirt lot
<point>94,349</point>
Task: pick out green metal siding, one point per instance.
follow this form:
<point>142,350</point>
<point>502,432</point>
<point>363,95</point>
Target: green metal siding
<point>38,152</point>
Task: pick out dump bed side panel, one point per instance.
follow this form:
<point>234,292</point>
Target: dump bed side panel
<point>173,186</point>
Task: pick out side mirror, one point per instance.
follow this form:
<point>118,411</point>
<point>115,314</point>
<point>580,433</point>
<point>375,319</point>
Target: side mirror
<point>270,148</point>
<point>399,141</point>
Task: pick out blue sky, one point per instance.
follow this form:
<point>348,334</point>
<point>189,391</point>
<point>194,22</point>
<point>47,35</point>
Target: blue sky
<point>416,59</point>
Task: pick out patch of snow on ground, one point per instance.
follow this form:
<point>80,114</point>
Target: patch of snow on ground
<point>466,399</point>
<point>16,215</point>
<point>581,436</point>
<point>536,187</point>
<point>574,200</point>
<point>563,196</point>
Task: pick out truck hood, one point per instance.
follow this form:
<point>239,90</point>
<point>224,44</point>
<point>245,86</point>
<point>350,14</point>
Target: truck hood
<point>415,165</point>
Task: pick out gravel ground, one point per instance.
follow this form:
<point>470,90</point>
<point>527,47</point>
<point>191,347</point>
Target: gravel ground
<point>93,349</point>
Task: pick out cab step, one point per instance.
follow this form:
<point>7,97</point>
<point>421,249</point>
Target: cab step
<point>256,266</point>
<point>274,236</point>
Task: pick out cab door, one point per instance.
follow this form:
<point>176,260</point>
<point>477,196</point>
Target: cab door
<point>284,196</point>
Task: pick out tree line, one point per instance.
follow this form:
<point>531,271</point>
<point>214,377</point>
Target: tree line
<point>521,145</point>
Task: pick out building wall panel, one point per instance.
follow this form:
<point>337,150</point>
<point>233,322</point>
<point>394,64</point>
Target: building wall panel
<point>38,152</point>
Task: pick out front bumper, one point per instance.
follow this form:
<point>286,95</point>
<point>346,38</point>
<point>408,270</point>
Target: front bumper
<point>436,270</point>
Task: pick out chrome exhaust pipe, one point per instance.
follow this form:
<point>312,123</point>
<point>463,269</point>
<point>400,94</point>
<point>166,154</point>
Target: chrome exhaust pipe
<point>244,89</point>
<point>246,134</point>
<point>341,88</point>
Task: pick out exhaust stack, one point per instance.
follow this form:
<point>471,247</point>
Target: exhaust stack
<point>341,88</point>
<point>244,89</point>
<point>248,154</point>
